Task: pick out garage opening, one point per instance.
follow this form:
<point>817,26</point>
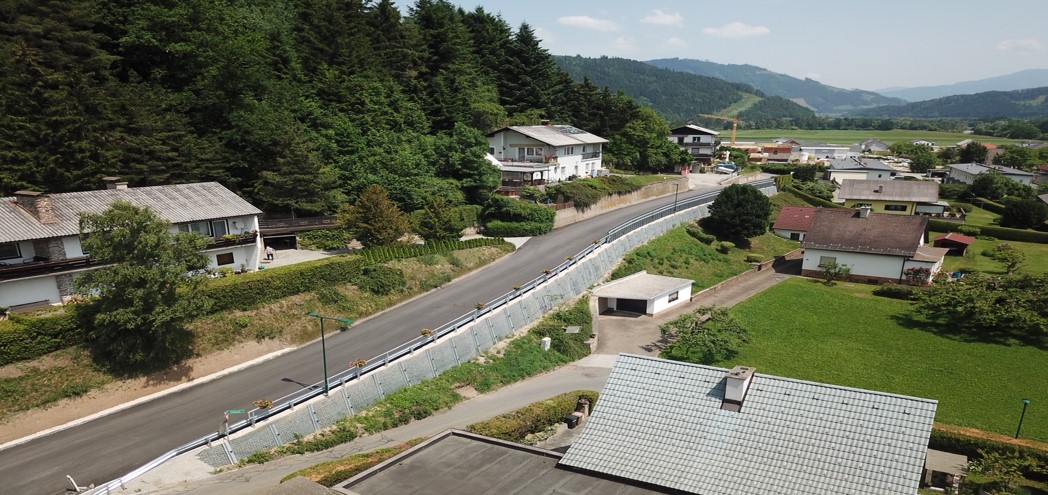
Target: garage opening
<point>632,305</point>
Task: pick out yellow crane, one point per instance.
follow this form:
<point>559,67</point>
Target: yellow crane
<point>734,124</point>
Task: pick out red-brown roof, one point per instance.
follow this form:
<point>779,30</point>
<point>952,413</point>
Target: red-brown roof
<point>955,237</point>
<point>846,230</point>
<point>797,218</point>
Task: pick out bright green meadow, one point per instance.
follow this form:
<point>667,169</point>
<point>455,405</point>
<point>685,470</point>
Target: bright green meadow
<point>845,335</point>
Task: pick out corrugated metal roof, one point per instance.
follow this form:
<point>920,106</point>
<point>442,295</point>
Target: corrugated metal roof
<point>836,229</point>
<point>920,191</point>
<point>684,129</point>
<point>641,285</point>
<point>978,168</point>
<point>859,164</point>
<point>178,203</point>
<point>556,135</point>
<point>661,422</point>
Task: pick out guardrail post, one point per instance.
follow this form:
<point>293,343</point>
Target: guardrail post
<point>276,434</point>
<point>454,348</point>
<point>404,372</point>
<point>432,363</point>
<point>381,393</point>
<point>491,331</point>
<point>229,452</point>
<point>349,403</point>
<point>313,417</point>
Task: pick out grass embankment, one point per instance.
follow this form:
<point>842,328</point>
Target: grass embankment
<point>70,373</point>
<point>518,359</point>
<point>678,254</point>
<point>1036,257</point>
<point>845,335</point>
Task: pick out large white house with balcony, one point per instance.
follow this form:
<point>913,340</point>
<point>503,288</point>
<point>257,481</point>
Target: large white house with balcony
<point>701,143</point>
<point>40,251</point>
<point>539,154</point>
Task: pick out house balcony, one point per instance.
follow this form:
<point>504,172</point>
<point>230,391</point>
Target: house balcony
<point>230,240</point>
<point>591,156</point>
<point>531,161</point>
<point>43,266</point>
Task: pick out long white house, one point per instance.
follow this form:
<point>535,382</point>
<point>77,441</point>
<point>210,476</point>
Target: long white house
<point>40,251</point>
<point>539,154</point>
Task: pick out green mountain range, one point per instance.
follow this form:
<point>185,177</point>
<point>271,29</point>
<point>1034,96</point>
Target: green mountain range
<point>1022,103</point>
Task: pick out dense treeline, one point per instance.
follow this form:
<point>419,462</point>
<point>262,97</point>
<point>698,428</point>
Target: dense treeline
<point>1022,103</point>
<point>297,105</point>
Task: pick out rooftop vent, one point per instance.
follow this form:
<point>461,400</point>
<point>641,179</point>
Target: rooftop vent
<point>864,211</point>
<point>114,183</point>
<point>737,383</point>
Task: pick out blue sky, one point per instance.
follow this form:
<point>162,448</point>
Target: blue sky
<point>867,45</point>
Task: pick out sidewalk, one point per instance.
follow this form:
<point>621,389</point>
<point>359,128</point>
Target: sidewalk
<point>616,334</point>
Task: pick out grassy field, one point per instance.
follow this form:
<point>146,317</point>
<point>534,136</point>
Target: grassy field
<point>854,137</point>
<point>845,335</point>
<point>1036,257</point>
<point>678,254</point>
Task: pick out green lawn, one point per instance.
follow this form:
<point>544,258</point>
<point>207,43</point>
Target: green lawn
<point>678,254</point>
<point>850,136</point>
<point>784,199</point>
<point>844,335</point>
<point>1036,257</point>
<point>978,216</point>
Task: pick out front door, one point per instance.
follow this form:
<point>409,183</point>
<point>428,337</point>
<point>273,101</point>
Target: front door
<point>520,154</point>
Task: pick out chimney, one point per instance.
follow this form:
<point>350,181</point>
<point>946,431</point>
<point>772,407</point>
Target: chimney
<point>38,205</point>
<point>864,211</point>
<point>737,383</point>
<point>880,189</point>
<point>114,183</point>
<point>546,122</point>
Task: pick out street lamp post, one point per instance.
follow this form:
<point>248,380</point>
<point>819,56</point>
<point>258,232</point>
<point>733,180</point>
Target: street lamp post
<point>323,343</point>
<point>676,189</point>
<point>1026,402</point>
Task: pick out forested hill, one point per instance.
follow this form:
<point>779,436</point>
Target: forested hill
<point>679,96</point>
<point>296,105</point>
<point>825,100</point>
<point>1023,103</point>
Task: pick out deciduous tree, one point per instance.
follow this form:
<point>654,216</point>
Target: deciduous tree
<point>705,336</point>
<point>146,293</point>
<point>740,211</point>
<point>989,308</point>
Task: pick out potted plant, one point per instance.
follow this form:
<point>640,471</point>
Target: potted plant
<point>263,403</point>
<point>426,332</point>
<point>359,363</point>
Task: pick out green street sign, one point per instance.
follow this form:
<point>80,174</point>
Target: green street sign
<point>236,411</point>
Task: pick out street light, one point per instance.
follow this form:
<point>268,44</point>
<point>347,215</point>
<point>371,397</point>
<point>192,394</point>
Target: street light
<point>1026,402</point>
<point>676,189</point>
<point>323,344</point>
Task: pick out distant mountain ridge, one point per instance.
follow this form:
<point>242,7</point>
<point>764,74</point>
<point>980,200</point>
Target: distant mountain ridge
<point>1022,103</point>
<point>825,100</point>
<point>1026,79</point>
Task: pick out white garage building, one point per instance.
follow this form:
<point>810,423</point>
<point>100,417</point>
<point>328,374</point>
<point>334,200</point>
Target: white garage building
<point>642,293</point>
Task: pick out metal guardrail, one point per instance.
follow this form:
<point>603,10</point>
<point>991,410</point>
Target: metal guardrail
<point>289,402</point>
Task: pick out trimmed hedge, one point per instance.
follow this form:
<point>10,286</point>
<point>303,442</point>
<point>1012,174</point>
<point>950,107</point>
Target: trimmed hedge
<point>246,291</point>
<point>991,206</point>
<point>812,200</point>
<point>516,229</point>
<point>1002,233</point>
<point>904,292</point>
<point>380,254</point>
<point>324,239</point>
<point>517,425</point>
<point>29,338</point>
<point>970,446</point>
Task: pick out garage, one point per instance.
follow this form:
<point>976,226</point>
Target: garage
<point>642,293</point>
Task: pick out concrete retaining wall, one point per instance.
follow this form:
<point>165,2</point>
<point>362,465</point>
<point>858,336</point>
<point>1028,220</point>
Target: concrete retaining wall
<point>658,190</point>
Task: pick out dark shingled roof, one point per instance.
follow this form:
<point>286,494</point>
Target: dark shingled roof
<point>795,218</point>
<point>890,190</point>
<point>844,230</point>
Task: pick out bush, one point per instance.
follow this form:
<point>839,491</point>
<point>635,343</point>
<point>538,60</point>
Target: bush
<point>517,425</point>
<point>753,258</point>
<point>468,215</point>
<point>251,289</point>
<point>508,209</point>
<point>969,230</point>
<point>380,280</point>
<point>1003,233</point>
<point>323,239</point>
<point>726,247</point>
<point>380,254</point>
<point>962,206</point>
<point>583,193</point>
<point>695,231</point>
<point>904,292</point>
<point>23,338</point>
<point>331,296</point>
<point>970,446</point>
<point>516,229</point>
<point>777,168</point>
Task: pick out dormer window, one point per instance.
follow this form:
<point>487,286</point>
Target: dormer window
<point>9,250</point>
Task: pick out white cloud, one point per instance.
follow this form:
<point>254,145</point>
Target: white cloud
<point>659,17</point>
<point>587,22</point>
<point>624,43</point>
<point>1020,45</point>
<point>736,30</point>
<point>676,42</point>
<point>545,35</point>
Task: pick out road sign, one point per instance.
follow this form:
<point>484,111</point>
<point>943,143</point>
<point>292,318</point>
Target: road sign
<point>236,411</point>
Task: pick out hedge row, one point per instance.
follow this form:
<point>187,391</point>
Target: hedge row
<point>501,228</point>
<point>1003,233</point>
<point>24,338</point>
<point>991,206</point>
<point>970,446</point>
<point>517,425</point>
<point>381,254</point>
<point>812,200</point>
<point>246,291</point>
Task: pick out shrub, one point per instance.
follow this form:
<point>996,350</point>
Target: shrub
<point>970,446</point>
<point>811,199</point>
<point>904,292</point>
<point>380,254</point>
<point>242,321</point>
<point>511,210</point>
<point>468,215</point>
<point>517,229</point>
<point>962,206</point>
<point>753,258</point>
<point>23,338</point>
<point>581,192</point>
<point>323,239</point>
<point>726,247</point>
<point>380,279</point>
<point>777,168</point>
<point>251,289</point>
<point>517,425</point>
<point>331,296</point>
<point>969,230</point>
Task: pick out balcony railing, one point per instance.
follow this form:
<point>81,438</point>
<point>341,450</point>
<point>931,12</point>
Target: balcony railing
<point>31,268</point>
<point>232,240</point>
<point>591,155</point>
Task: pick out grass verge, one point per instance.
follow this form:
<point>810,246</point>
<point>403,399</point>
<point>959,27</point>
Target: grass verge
<point>1036,257</point>
<point>332,473</point>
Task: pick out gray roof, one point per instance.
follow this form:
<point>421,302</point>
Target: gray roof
<point>921,191</point>
<point>175,203</point>
<point>1044,197</point>
<point>930,254</point>
<point>690,129</point>
<point>468,464</point>
<point>859,164</point>
<point>978,168</point>
<point>661,422</point>
<point>838,229</point>
<point>555,135</point>
<point>641,285</point>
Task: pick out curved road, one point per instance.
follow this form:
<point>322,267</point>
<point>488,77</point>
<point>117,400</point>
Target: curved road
<point>111,446</point>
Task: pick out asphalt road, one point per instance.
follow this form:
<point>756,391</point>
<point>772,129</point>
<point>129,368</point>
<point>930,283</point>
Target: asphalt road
<point>111,446</point>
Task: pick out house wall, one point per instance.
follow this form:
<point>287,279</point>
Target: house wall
<point>29,290</point>
<point>72,247</point>
<point>569,159</point>
<point>663,303</point>
<point>935,267</point>
<point>826,152</point>
<point>962,176</point>
<point>878,206</point>
<point>789,233</point>
<point>863,266</point>
<point>842,175</point>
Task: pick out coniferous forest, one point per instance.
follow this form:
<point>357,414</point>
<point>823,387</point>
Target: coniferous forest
<point>297,105</point>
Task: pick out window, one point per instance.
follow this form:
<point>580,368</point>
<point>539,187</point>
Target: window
<point>825,261</point>
<point>696,139</point>
<point>863,205</point>
<point>569,150</point>
<point>219,228</point>
<point>895,208</point>
<point>201,228</point>
<point>224,259</point>
<point>795,236</point>
<point>9,250</point>
<point>673,296</point>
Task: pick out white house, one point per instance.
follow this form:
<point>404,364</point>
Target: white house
<point>876,247</point>
<point>643,293</point>
<point>793,222</point>
<point>826,151</point>
<point>967,172</point>
<point>40,252</point>
<point>701,143</point>
<point>545,153</point>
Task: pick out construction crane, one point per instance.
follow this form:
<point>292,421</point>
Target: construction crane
<point>734,124</point>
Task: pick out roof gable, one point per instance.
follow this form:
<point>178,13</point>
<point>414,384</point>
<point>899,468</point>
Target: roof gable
<point>691,129</point>
<point>835,229</point>
<point>179,203</point>
<point>890,190</point>
<point>797,218</point>
<point>661,422</point>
